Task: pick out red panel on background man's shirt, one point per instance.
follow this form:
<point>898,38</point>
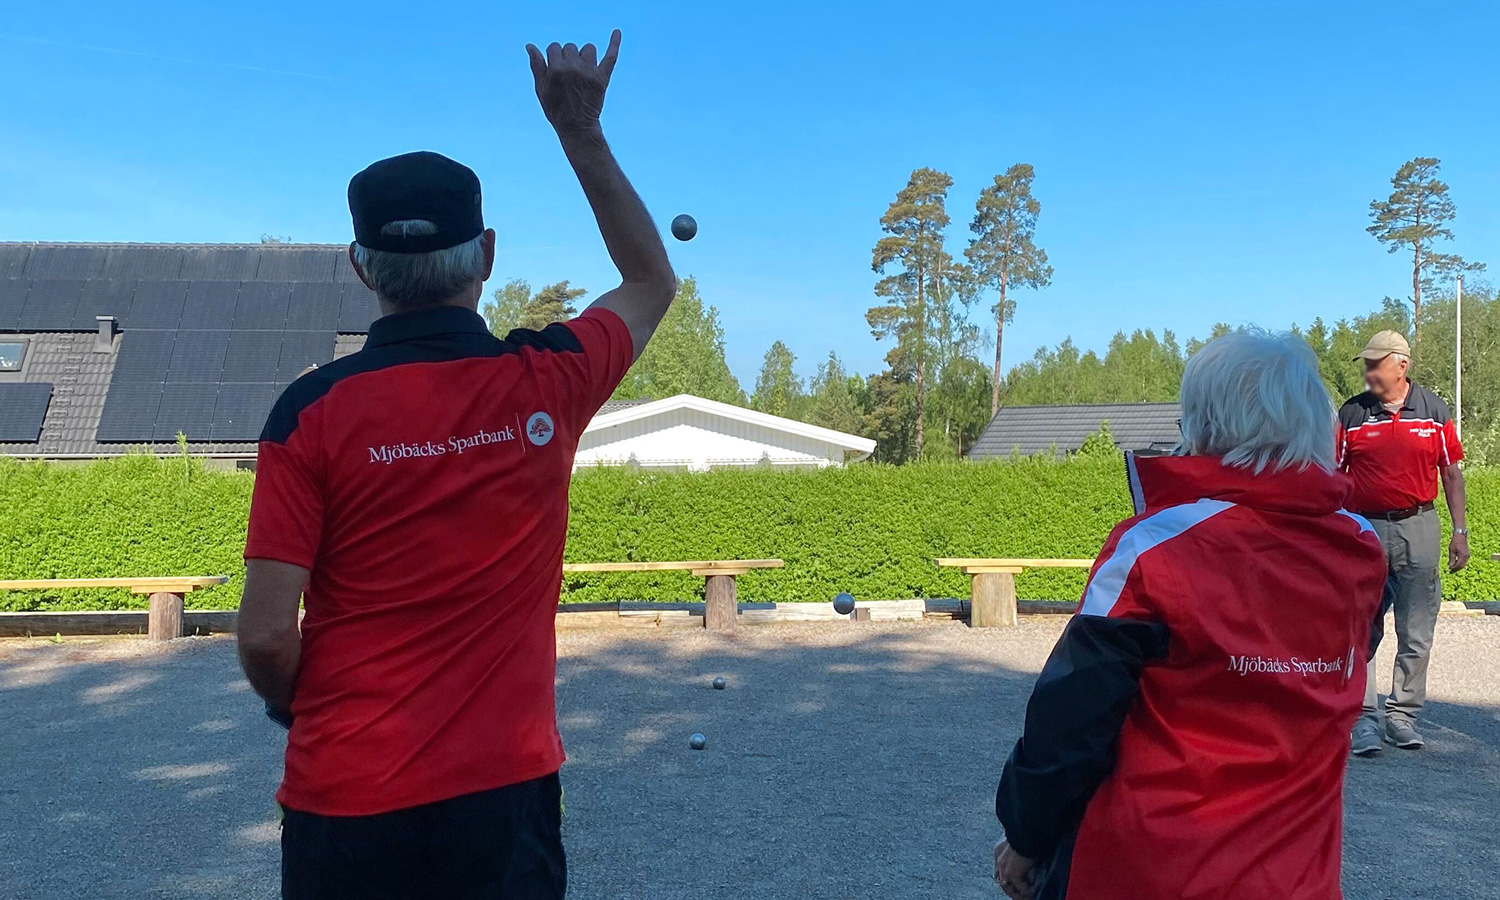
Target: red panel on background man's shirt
<point>424,482</point>
<point>1394,458</point>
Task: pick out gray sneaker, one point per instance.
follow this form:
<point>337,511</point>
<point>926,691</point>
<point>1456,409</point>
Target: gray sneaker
<point>1365,741</point>
<point>1403,735</point>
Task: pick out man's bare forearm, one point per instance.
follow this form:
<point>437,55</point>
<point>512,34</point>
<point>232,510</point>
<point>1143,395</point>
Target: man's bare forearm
<point>628,231</point>
<point>1453,491</point>
<point>271,669</point>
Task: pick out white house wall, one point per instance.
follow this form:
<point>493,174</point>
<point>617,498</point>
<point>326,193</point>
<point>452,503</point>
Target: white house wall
<point>698,440</point>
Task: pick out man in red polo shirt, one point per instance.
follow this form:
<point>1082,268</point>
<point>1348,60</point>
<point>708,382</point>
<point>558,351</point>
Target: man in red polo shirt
<point>416,495</point>
<point>1396,441</point>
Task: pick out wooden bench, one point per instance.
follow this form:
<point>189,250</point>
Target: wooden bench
<point>163,621</point>
<point>994,585</point>
<point>720,595</point>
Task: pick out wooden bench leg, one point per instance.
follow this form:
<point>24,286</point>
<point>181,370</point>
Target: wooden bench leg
<point>721,603</point>
<point>994,600</point>
<point>164,622</point>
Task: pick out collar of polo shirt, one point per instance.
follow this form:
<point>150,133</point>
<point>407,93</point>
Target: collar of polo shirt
<point>425,323</point>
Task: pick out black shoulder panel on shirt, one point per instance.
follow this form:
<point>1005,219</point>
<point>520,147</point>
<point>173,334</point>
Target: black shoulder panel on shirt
<point>308,389</point>
<point>1358,409</point>
<point>555,338</point>
<point>1428,405</point>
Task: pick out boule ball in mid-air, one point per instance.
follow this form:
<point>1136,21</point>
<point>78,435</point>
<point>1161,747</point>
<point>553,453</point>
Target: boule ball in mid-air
<point>843,603</point>
<point>720,684</point>
<point>697,742</point>
<point>684,227</point>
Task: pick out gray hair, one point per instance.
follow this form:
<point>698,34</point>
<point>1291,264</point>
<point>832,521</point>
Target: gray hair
<point>1256,400</point>
<point>415,280</point>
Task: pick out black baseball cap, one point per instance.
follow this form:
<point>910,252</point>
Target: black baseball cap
<point>421,185</point>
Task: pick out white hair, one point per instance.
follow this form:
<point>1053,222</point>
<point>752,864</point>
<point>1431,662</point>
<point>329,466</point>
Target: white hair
<point>1255,399</point>
<point>414,280</point>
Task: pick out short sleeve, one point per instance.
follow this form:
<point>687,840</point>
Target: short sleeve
<point>286,508</point>
<point>1452,451</point>
<point>588,355</point>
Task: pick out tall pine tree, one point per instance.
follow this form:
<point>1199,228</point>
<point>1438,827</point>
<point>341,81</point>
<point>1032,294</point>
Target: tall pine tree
<point>1003,252</point>
<point>912,258</point>
<point>1415,215</point>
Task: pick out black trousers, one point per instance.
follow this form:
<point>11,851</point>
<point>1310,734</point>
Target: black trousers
<point>504,844</point>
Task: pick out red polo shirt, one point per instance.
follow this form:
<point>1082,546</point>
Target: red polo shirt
<point>424,482</point>
<point>1394,457</point>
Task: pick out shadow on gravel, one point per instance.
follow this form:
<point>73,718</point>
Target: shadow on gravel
<point>858,766</point>
<point>148,773</point>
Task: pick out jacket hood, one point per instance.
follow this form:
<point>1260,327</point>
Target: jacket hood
<point>1159,481</point>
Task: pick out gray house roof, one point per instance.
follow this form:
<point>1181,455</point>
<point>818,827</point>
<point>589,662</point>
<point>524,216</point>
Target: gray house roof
<point>1037,429</point>
<point>203,339</point>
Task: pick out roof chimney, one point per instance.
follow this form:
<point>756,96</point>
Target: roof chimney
<point>105,342</point>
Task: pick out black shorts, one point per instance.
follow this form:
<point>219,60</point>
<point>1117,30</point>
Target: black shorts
<point>504,844</point>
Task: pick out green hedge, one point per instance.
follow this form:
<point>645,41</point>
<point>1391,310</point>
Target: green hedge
<point>870,530</point>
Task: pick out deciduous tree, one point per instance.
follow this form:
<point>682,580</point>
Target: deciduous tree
<point>778,390</point>
<point>685,356</point>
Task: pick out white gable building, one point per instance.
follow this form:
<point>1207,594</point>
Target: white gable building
<point>693,433</point>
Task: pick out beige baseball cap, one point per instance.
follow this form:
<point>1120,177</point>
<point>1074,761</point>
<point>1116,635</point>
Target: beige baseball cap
<point>1384,344</point>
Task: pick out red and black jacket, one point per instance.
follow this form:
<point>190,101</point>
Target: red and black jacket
<point>1187,736</point>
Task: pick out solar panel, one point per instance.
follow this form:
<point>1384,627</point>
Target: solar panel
<point>198,356</point>
<point>129,412</point>
<point>65,263</point>
<point>314,306</point>
<point>157,304</point>
<point>12,299</point>
<point>50,305</point>
<point>343,270</point>
<point>300,349</point>
<point>103,298</point>
<point>153,263</point>
<point>358,309</point>
<point>188,408</point>
<point>296,265</point>
<point>13,260</point>
<point>23,406</point>
<point>241,411</point>
<point>219,264</point>
<point>252,356</point>
<point>210,304</point>
<point>143,358</point>
<point>262,305</point>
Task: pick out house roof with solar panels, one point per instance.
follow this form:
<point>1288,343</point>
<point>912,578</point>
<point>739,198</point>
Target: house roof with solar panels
<point>106,349</point>
<point>1029,430</point>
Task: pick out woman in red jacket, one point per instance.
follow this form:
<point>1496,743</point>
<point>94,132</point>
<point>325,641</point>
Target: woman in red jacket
<point>1187,737</point>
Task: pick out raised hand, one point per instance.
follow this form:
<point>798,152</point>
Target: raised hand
<point>571,81</point>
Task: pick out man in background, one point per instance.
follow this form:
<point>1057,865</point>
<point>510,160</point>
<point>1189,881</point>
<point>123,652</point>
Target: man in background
<point>1397,441</point>
<point>416,494</point>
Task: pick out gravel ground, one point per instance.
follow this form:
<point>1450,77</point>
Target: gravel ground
<point>842,762</point>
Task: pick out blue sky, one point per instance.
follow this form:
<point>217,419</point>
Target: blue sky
<point>1196,162</point>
